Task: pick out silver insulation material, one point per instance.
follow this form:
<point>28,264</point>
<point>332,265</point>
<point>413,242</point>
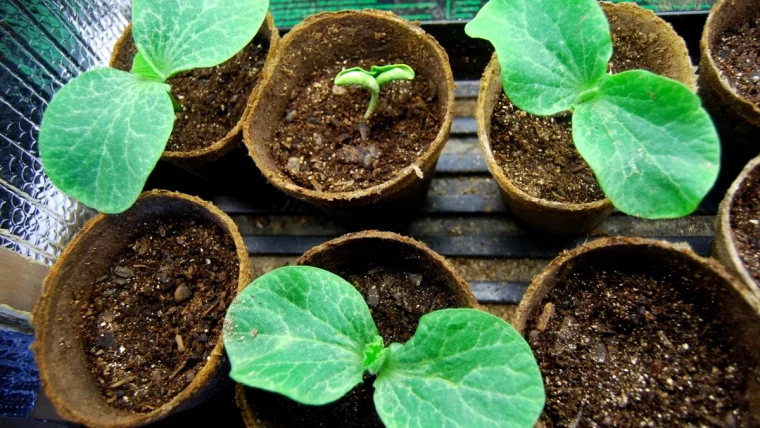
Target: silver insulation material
<point>43,45</point>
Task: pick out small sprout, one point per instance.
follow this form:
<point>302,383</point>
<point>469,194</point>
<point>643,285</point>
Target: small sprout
<point>462,367</point>
<point>374,79</point>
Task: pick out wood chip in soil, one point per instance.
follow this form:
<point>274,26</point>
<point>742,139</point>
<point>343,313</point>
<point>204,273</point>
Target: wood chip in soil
<point>397,300</point>
<point>156,314</point>
<point>736,53</point>
<point>745,222</point>
<point>620,348</point>
<point>213,99</point>
<point>319,144</point>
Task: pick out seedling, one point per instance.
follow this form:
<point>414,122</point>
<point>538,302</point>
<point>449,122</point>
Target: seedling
<point>308,334</point>
<point>374,79</point>
<point>103,132</point>
<point>653,148</point>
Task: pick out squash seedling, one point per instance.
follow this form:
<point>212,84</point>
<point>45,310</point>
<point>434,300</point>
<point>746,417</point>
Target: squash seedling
<point>105,130</point>
<point>308,334</point>
<point>651,145</point>
<point>374,79</point>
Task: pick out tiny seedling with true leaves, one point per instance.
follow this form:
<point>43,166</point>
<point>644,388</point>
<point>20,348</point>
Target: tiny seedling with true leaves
<point>104,132</point>
<point>306,333</point>
<point>651,145</point>
<point>374,79</point>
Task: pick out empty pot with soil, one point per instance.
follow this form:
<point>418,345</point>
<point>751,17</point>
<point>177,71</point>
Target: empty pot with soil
<point>631,332</point>
<point>128,328</point>
<point>737,236</point>
<point>401,280</point>
<point>215,102</point>
<point>543,179</point>
<point>309,137</point>
<point>729,79</point>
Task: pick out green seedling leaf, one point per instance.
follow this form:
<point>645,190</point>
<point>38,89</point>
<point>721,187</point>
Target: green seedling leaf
<point>141,67</point>
<point>463,367</point>
<point>302,332</point>
<point>389,73</point>
<point>550,51</point>
<point>651,145</point>
<point>374,79</point>
<point>179,35</point>
<point>103,134</point>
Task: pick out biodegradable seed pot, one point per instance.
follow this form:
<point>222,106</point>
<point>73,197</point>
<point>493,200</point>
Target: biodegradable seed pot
<point>128,328</point>
<point>309,136</point>
<point>737,236</point>
<point>543,179</point>
<point>639,332</point>
<point>401,280</point>
<point>729,78</point>
<point>215,101</point>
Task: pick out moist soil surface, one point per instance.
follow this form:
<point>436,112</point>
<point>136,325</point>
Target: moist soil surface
<point>397,300</point>
<point>622,348</point>
<point>745,222</point>
<point>537,152</point>
<point>156,314</point>
<point>737,56</point>
<point>323,142</point>
<point>213,99</point>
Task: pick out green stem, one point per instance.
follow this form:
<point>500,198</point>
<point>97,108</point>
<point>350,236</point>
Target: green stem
<point>372,104</point>
<point>177,106</point>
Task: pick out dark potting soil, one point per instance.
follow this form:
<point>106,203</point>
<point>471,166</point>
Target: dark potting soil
<point>537,153</point>
<point>213,98</point>
<point>623,348</point>
<point>745,222</point>
<point>156,314</point>
<point>397,300</point>
<point>737,56</point>
<point>321,143</point>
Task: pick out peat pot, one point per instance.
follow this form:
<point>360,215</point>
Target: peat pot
<point>401,280</point>
<point>631,332</point>
<point>128,327</point>
<point>309,138</point>
<point>522,150</point>
<point>207,134</point>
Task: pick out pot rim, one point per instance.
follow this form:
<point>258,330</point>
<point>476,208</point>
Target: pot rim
<point>537,291</point>
<point>223,143</point>
<point>724,232</point>
<point>40,320</point>
<point>749,111</point>
<point>394,184</point>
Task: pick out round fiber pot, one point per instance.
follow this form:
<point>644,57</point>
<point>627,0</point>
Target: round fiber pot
<point>330,159</point>
<point>725,244</point>
<point>631,332</point>
<point>736,117</point>
<point>200,161</point>
<point>632,27</point>
<point>401,279</point>
<point>196,290</point>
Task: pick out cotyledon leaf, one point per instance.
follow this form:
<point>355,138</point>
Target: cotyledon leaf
<point>142,68</point>
<point>651,145</point>
<point>302,332</point>
<point>462,367</point>
<point>549,51</point>
<point>103,134</point>
<point>178,35</point>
